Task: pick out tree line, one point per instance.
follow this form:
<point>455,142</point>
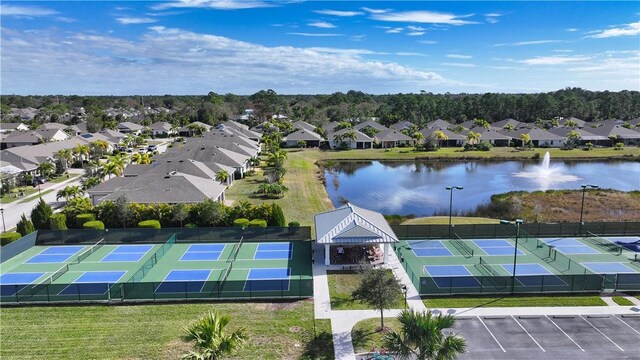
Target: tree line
<point>418,108</point>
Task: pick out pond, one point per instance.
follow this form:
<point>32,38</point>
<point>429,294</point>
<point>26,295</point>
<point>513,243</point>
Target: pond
<point>418,188</point>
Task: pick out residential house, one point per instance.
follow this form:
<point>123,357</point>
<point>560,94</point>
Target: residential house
<point>491,135</point>
<point>161,129</point>
<point>77,129</point>
<point>371,124</point>
<point>617,133</point>
<point>33,137</point>
<point>310,138</point>
<point>186,131</point>
<point>240,129</point>
<point>361,140</point>
<point>393,138</point>
<point>26,114</point>
<point>453,139</point>
<point>539,137</point>
<point>303,125</point>
<point>585,136</point>
<point>508,123</point>
<point>9,127</point>
<point>403,125</point>
<point>579,123</point>
<point>439,123</point>
<point>52,126</point>
<point>127,127</point>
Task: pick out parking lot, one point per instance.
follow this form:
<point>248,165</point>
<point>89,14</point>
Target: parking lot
<point>551,337</point>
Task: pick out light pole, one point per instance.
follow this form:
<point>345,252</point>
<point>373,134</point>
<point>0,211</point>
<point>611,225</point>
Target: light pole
<point>517,223</point>
<point>4,226</point>
<point>451,188</point>
<point>404,291</point>
<point>584,190</point>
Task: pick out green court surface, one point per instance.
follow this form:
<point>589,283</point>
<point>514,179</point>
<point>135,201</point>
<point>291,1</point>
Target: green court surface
<point>485,266</point>
<point>142,272</point>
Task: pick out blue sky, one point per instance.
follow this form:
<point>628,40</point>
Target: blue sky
<point>307,47</point>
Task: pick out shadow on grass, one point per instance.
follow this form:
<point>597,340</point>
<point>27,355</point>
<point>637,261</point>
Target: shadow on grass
<point>320,348</point>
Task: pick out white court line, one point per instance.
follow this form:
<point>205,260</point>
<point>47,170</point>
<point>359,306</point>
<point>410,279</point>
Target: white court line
<point>531,336</point>
<point>629,326</point>
<point>601,333</point>
<point>490,333</point>
<point>567,335</point>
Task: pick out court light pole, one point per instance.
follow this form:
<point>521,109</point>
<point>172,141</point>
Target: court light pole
<point>517,223</point>
<point>4,225</point>
<point>451,188</point>
<point>584,190</point>
<point>404,291</point>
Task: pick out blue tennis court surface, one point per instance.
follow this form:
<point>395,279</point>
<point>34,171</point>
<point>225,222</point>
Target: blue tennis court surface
<point>181,281</point>
<point>424,248</point>
<point>570,246</point>
<point>608,267</point>
<point>12,282</point>
<point>58,254</point>
<point>269,279</point>
<point>93,283</point>
<point>273,251</point>
<point>533,275</point>
<point>446,276</point>
<point>203,252</point>
<point>127,253</point>
<point>497,247</point>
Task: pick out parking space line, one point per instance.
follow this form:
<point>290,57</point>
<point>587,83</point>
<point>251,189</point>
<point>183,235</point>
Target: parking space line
<point>525,330</point>
<point>567,335</point>
<point>490,333</point>
<point>601,333</point>
<point>629,326</point>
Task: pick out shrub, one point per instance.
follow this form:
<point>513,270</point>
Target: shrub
<point>7,238</point>
<point>484,146</point>
<point>58,222</point>
<point>149,224</point>
<point>40,215</point>
<point>24,226</point>
<point>95,225</point>
<point>277,216</point>
<point>241,222</point>
<point>294,224</point>
<point>258,223</point>
<point>619,146</point>
<point>83,218</point>
<point>191,226</point>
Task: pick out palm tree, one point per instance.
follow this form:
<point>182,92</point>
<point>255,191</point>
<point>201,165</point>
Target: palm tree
<point>421,337</point>
<point>473,138</point>
<point>222,176</point>
<point>337,139</point>
<point>90,182</point>
<point>112,168</point>
<point>209,338</point>
<point>65,156</point>
<point>418,137</point>
<point>46,169</point>
<point>440,136</point>
<point>481,123</point>
<point>99,147</point>
<point>69,192</point>
<point>135,158</point>
<point>526,139</point>
<point>276,159</point>
<point>80,151</point>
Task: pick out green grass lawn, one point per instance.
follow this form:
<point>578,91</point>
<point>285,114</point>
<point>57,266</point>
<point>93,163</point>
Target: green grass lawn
<point>514,301</point>
<point>620,300</point>
<point>276,331</point>
<point>37,195</point>
<point>9,198</point>
<point>456,220</point>
<point>342,284</point>
<point>365,334</point>
<point>63,178</point>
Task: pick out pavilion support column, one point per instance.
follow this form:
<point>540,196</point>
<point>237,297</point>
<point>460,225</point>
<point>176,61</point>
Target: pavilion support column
<point>386,253</point>
<point>327,254</point>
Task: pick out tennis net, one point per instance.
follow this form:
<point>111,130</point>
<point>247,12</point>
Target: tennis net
<point>604,243</point>
<point>237,250</point>
<point>89,251</point>
<point>487,268</point>
<point>461,245</point>
<point>32,290</point>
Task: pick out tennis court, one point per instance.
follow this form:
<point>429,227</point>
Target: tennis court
<point>168,270</point>
<point>497,247</point>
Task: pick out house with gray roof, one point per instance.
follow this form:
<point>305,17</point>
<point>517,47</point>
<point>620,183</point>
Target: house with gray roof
<point>585,136</point>
<point>208,153</point>
<point>310,138</point>
<point>402,125</point>
<point>453,139</point>
<point>127,127</point>
<point>52,126</point>
<point>6,128</point>
<point>240,129</point>
<point>393,138</point>
<point>21,138</point>
<point>361,141</point>
<point>303,125</point>
<point>508,123</point>
<point>371,124</point>
<point>161,128</point>
<point>26,114</point>
<point>352,228</point>
<point>579,122</point>
<point>539,137</point>
<point>77,129</point>
<point>491,135</point>
<point>617,133</point>
<point>439,123</point>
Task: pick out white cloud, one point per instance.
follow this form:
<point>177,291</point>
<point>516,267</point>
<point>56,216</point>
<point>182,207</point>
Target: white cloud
<point>339,13</point>
<point>553,60</point>
<point>360,37</point>
<point>458,56</point>
<point>426,17</point>
<point>25,11</point>
<point>466,65</point>
<point>533,42</point>
<point>563,50</point>
<point>375,11</point>
<point>427,42</point>
<point>416,33</point>
<point>607,66</point>
<point>416,28</point>
<point>493,15</point>
<point>411,54</point>
<point>491,20</point>
<point>322,24</point>
<point>313,34</point>
<point>215,4</point>
<point>632,29</point>
<point>103,64</point>
<point>394,30</point>
<point>571,29</point>
<point>135,20</point>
